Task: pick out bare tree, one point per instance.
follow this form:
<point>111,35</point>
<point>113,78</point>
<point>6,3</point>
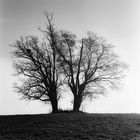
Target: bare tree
<point>89,66</point>
<point>35,63</point>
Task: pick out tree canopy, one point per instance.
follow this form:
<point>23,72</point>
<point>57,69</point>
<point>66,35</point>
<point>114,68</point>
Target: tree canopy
<point>87,66</point>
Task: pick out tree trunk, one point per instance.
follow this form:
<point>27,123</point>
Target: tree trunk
<point>53,99</point>
<point>77,103</point>
<point>54,106</point>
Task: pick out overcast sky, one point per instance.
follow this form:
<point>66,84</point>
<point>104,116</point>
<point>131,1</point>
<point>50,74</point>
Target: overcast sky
<point>116,20</point>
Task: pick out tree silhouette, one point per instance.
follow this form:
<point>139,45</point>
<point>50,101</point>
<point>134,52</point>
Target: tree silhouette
<point>35,62</point>
<point>89,66</point>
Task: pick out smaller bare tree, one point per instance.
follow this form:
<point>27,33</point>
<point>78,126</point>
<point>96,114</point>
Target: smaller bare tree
<point>89,66</point>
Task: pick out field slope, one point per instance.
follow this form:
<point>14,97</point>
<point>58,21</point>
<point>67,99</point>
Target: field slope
<point>70,126</point>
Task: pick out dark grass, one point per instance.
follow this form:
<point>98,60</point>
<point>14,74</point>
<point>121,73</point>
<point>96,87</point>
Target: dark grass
<point>70,126</point>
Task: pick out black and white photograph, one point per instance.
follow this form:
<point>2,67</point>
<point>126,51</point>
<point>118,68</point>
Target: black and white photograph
<point>69,69</point>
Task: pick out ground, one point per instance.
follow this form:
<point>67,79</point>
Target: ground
<point>70,126</point>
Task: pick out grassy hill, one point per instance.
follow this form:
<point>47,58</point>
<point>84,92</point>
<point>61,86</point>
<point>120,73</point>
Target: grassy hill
<point>70,126</point>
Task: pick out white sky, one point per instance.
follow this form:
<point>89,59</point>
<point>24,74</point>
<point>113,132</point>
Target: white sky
<point>116,20</point>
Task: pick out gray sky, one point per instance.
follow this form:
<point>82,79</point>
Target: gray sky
<point>116,20</point>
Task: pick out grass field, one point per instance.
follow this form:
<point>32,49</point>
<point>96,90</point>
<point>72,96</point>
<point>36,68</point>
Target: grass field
<point>70,126</point>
